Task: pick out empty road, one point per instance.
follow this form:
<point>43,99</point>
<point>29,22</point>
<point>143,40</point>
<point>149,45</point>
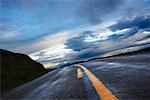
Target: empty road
<point>123,77</point>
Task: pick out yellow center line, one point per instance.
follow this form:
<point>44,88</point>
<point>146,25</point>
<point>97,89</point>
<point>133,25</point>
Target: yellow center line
<point>79,73</point>
<point>102,91</point>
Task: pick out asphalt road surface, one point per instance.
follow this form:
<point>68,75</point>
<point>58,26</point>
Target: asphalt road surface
<point>122,77</point>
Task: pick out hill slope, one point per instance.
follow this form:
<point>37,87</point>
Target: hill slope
<point>17,69</point>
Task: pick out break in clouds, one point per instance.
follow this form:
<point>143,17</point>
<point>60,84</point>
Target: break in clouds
<point>56,32</point>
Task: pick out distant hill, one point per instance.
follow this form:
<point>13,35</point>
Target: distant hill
<point>17,69</point>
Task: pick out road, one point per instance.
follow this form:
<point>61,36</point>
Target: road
<point>123,77</point>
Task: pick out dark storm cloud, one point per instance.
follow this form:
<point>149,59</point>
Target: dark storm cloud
<point>94,10</point>
<point>134,36</point>
<point>86,54</point>
<point>139,22</point>
<point>77,43</point>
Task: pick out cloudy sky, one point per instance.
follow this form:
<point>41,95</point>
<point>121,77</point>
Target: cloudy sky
<point>55,32</point>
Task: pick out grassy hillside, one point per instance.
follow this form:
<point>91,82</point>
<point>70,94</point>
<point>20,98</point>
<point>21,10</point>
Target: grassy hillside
<point>17,69</point>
